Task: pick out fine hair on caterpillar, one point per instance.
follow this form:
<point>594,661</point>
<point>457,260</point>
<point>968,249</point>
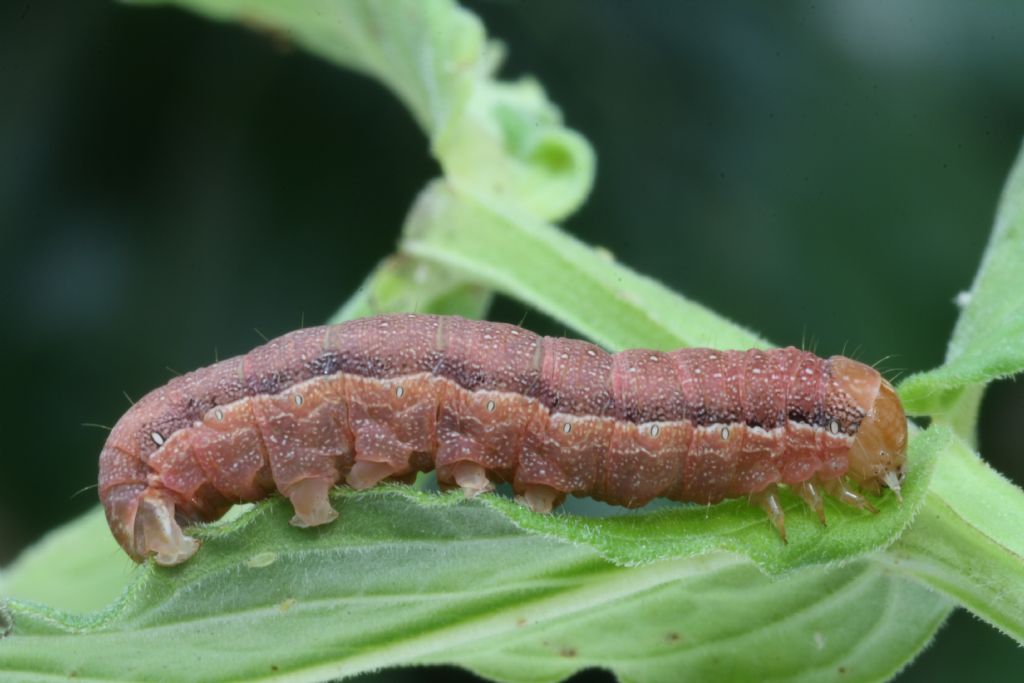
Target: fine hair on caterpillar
<point>386,397</point>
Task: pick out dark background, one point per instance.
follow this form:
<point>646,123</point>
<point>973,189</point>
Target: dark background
<point>825,172</point>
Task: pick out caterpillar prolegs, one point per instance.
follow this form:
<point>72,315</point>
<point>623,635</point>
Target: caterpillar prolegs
<point>386,397</point>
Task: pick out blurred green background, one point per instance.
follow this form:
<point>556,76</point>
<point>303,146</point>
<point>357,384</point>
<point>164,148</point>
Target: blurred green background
<point>822,172</point>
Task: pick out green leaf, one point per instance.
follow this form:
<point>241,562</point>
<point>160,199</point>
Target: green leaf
<point>516,254</point>
<point>409,579</point>
<point>988,341</point>
<point>492,138</point>
<point>400,284</point>
<point>511,146</point>
<point>77,567</point>
<point>967,541</point>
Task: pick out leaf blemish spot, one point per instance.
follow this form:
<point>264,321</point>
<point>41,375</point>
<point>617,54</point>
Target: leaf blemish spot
<point>261,560</point>
<point>6,622</point>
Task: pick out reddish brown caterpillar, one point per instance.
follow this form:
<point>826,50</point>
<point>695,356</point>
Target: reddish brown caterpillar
<point>387,397</point>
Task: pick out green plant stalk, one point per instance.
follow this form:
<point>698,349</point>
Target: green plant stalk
<point>942,551</point>
<point>511,166</point>
<point>400,284</point>
<point>961,413</point>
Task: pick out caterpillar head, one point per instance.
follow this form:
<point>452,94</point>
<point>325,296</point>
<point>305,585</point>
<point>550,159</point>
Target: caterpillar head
<point>879,452</point>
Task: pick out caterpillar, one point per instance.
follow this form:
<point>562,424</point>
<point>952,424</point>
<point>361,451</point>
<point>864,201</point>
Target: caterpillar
<point>386,397</point>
